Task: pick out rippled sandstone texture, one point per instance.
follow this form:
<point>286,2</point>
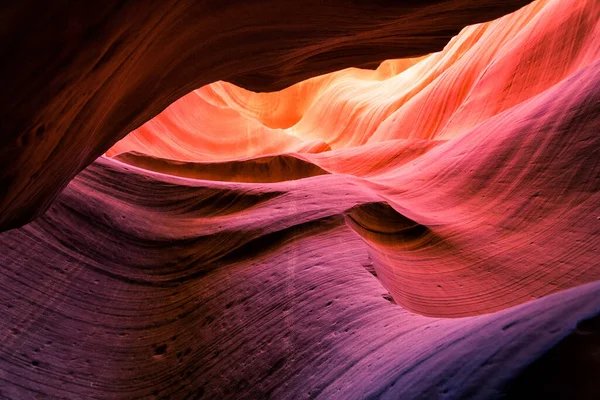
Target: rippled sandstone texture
<point>428,229</point>
<point>77,77</point>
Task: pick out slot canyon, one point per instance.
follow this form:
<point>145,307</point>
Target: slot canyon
<point>319,199</point>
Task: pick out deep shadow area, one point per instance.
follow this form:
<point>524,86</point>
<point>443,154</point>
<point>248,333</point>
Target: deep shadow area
<point>571,370</point>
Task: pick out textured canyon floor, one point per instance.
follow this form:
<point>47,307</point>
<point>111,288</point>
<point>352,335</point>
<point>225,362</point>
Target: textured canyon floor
<point>426,229</point>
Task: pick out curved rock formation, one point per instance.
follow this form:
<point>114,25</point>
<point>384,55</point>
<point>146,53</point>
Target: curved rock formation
<point>262,169</point>
<point>483,71</point>
<point>427,229</point>
<point>137,284</point>
<point>79,77</point>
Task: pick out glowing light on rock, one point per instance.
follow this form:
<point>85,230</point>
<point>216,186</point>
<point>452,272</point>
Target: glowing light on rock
<point>429,228</point>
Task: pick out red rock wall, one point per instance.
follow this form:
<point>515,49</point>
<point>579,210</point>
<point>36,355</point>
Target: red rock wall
<point>77,77</point>
<point>428,229</point>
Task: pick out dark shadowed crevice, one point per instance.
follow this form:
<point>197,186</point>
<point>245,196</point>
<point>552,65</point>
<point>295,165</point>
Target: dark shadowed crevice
<point>570,370</point>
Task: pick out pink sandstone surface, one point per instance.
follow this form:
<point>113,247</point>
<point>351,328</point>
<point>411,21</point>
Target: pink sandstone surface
<point>427,229</point>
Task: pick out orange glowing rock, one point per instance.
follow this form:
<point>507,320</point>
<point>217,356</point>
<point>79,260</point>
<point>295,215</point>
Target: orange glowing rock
<point>486,69</point>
